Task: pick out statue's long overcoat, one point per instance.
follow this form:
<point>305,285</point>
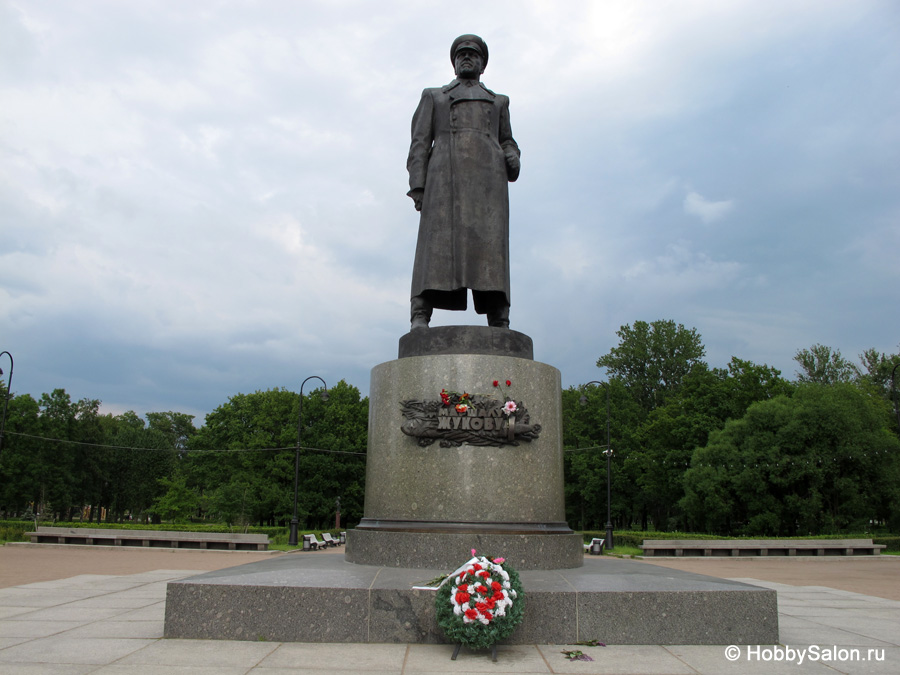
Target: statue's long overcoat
<point>460,133</point>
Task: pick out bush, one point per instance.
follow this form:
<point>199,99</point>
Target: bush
<point>15,530</point>
<point>892,543</point>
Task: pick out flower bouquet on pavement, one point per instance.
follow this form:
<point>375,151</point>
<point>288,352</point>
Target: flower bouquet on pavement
<point>481,603</point>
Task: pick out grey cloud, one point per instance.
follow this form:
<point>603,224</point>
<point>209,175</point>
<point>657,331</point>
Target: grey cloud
<point>204,198</point>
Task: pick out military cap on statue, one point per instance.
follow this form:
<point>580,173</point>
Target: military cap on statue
<point>469,42</point>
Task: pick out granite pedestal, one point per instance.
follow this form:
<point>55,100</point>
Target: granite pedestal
<point>427,505</point>
<point>317,597</point>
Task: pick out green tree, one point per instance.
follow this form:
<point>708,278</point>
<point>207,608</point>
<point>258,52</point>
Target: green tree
<point>177,428</point>
<point>584,439</point>
<point>877,368</point>
<point>821,365</point>
<point>19,470</point>
<point>821,461</point>
<point>235,502</point>
<point>137,456</point>
<point>66,460</point>
<point>243,457</point>
<point>747,383</point>
<point>652,363</point>
<point>667,438</point>
<point>177,501</point>
<point>338,428</point>
<point>653,359</point>
<point>46,474</point>
<point>707,399</point>
<point>57,472</point>
<point>246,441</point>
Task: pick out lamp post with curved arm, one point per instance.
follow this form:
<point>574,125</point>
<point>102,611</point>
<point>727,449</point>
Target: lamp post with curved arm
<point>609,453</point>
<point>6,397</point>
<point>292,539</point>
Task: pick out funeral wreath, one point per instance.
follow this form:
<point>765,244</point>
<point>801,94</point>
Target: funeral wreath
<point>481,603</point>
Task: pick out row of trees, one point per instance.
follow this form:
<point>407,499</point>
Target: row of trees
<point>735,450</point>
<point>237,468</point>
<point>84,474</point>
<point>242,467</point>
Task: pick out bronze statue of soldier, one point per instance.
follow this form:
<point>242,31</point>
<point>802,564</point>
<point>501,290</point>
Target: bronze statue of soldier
<point>461,159</point>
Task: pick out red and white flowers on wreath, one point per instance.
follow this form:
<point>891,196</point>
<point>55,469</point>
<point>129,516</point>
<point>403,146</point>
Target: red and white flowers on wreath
<point>480,603</point>
<point>481,591</point>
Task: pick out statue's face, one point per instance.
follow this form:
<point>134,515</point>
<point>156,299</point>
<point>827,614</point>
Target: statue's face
<point>468,63</point>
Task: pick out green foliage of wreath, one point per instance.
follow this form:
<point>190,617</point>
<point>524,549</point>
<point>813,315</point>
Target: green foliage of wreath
<point>476,635</point>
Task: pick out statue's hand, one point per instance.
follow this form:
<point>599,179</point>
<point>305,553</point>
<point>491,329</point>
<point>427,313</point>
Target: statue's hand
<point>512,161</point>
<point>417,195</point>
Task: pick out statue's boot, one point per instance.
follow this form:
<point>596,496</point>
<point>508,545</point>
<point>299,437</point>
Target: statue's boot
<point>420,313</point>
<point>499,317</point>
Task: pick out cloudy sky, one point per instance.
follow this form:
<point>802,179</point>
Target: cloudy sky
<point>199,199</point>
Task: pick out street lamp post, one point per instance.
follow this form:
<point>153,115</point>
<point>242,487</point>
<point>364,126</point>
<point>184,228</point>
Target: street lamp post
<point>6,397</point>
<point>609,453</point>
<point>894,394</point>
<point>292,539</point>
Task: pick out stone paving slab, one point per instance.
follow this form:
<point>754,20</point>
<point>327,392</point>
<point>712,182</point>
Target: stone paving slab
<point>510,659</point>
<point>702,660</point>
<point>154,612</point>
<point>47,669</point>
<point>119,629</point>
<point>147,669</point>
<point>200,653</point>
<point>67,613</point>
<point>8,612</point>
<point>64,649</point>
<point>16,597</point>
<point>35,629</point>
<point>364,658</point>
<point>619,659</point>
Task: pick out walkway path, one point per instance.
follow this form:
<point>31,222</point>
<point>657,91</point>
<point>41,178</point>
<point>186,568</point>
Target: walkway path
<point>101,611</point>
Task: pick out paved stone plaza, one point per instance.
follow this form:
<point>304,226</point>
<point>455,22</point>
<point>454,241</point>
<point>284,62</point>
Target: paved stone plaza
<point>113,623</point>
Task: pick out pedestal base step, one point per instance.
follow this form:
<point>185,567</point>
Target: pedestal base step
<point>445,550</point>
<point>318,597</point>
